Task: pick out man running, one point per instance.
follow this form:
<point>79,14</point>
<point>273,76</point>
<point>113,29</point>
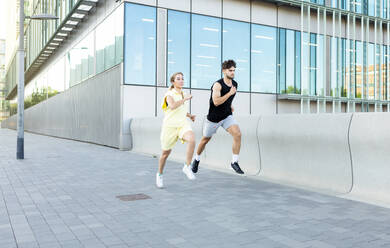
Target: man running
<point>221,114</point>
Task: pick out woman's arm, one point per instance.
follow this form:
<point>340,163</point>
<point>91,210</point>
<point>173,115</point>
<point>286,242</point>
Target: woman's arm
<point>172,104</point>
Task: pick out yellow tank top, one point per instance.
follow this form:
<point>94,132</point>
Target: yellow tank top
<point>178,116</point>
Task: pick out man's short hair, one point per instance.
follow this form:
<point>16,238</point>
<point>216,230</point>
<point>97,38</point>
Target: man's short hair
<point>227,64</point>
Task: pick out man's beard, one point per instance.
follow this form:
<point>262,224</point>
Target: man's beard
<point>229,77</point>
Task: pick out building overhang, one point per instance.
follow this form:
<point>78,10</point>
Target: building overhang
<point>78,14</point>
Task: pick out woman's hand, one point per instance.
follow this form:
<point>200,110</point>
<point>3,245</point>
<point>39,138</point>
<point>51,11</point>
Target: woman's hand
<point>192,117</point>
<point>187,97</point>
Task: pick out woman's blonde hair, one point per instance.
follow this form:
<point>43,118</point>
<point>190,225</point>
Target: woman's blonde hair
<point>173,78</point>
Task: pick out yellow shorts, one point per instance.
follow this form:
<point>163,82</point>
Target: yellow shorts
<point>170,135</point>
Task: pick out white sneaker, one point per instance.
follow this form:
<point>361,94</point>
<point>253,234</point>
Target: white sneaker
<point>159,181</point>
<point>187,170</point>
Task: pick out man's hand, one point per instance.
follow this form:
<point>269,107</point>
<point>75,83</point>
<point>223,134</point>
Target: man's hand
<point>192,117</point>
<point>232,109</point>
<point>233,90</point>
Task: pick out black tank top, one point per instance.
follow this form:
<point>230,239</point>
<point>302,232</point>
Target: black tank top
<point>218,113</point>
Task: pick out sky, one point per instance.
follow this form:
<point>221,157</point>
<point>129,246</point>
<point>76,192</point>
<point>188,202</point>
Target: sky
<point>2,19</point>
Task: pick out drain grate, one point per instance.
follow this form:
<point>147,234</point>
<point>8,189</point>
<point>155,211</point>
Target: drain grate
<point>134,197</point>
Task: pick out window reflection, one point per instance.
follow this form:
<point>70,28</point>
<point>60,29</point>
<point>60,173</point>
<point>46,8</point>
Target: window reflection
<point>236,46</point>
<point>263,76</point>
<point>140,44</point>
<point>206,51</point>
<point>320,67</point>
<point>359,69</point>
<point>371,70</point>
<point>179,45</point>
<point>305,63</point>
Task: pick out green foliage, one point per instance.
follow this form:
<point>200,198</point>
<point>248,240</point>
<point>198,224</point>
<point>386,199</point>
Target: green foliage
<point>291,90</point>
<point>36,97</point>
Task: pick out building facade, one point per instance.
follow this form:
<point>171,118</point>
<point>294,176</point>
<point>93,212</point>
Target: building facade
<point>292,56</point>
<point>4,106</point>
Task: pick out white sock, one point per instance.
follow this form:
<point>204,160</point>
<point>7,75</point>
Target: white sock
<point>197,157</point>
<point>235,158</point>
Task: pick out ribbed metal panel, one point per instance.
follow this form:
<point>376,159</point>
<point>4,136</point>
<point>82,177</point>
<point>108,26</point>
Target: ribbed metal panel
<point>87,112</point>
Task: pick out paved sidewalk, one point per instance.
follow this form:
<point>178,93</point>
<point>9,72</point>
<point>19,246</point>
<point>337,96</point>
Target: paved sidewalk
<point>64,195</point>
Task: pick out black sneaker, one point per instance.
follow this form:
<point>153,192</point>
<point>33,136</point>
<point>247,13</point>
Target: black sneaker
<point>194,166</point>
<point>236,168</point>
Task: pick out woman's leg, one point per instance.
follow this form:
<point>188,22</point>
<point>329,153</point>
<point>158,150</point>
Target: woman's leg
<point>163,159</point>
<point>190,138</point>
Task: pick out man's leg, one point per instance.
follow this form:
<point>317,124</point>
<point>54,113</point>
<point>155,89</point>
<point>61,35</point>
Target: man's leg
<point>209,129</point>
<point>202,144</point>
<point>234,131</point>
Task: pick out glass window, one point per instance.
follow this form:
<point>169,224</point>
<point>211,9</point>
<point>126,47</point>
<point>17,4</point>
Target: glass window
<point>119,35</point>
<point>282,61</point>
<point>101,38</point>
<point>179,45</point>
<point>344,58</point>
<point>85,49</point>
<point>347,70</point>
<point>206,51</point>
<point>371,7</point>
<point>74,60</point>
<point>320,67</point>
<point>384,75</point>
<point>313,63</point>
<point>55,83</point>
<point>109,44</point>
<point>297,62</point>
<point>305,63</point>
<point>290,62</point>
<point>334,4</point>
<point>356,6</point>
<point>91,53</point>
<point>67,71</point>
<point>359,69</point>
<point>352,80</point>
<point>140,49</point>
<point>334,66</point>
<point>370,70</point>
<point>342,4</point>
<point>236,43</point>
<point>263,59</point>
<point>377,72</point>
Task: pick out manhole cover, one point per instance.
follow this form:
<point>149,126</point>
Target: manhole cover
<point>134,197</point>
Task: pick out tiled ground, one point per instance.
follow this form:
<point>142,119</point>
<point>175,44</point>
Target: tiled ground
<point>64,195</point>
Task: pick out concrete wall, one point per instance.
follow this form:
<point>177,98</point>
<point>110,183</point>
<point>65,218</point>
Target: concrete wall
<point>89,112</point>
<point>308,150</point>
<point>370,142</point>
<point>341,154</point>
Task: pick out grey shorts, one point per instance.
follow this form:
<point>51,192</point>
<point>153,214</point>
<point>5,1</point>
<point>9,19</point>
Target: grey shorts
<point>210,128</point>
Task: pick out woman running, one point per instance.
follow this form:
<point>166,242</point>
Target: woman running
<point>176,126</point>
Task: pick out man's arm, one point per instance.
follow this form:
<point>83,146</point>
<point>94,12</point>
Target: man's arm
<point>217,98</point>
